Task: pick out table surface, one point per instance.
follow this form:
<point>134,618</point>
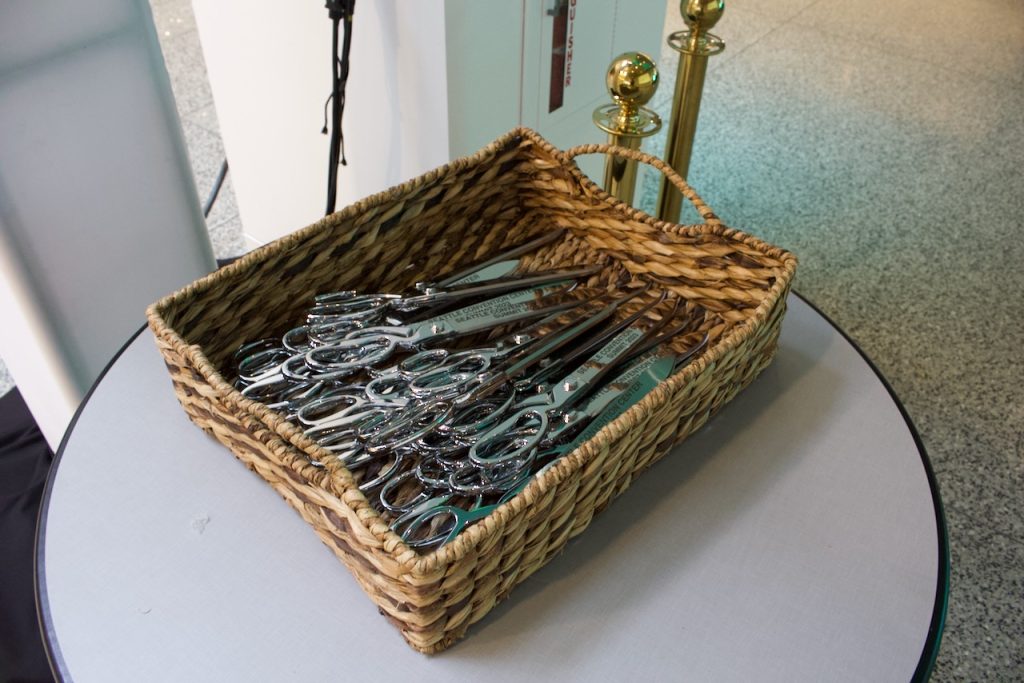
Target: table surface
<point>797,536</point>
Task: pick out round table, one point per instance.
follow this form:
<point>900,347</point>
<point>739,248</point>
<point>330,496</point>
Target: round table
<point>807,543</point>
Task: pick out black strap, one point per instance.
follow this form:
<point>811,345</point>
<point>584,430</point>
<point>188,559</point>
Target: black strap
<point>340,13</point>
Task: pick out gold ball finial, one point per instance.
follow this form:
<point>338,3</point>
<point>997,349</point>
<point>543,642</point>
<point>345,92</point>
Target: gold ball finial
<point>632,79</point>
<point>701,14</point>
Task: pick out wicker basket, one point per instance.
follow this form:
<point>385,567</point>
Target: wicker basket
<point>515,188</point>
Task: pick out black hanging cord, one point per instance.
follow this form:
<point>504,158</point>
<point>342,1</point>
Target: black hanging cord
<point>208,206</point>
<point>340,13</point>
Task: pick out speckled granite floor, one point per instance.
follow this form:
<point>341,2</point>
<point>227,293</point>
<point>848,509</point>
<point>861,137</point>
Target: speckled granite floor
<point>6,381</point>
<point>881,141</point>
<point>183,54</point>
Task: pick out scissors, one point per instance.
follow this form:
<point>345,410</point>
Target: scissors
<point>439,486</point>
<point>551,366</point>
<point>474,273</point>
<point>501,266</point>
<point>556,343</point>
<point>650,352</point>
<point>511,445</point>
<point>368,347</point>
<point>621,393</point>
<point>383,415</point>
<point>444,436</point>
<point>451,391</point>
<point>496,445</point>
<point>435,298</point>
<point>385,472</point>
<point>434,510</point>
<point>436,373</point>
<point>338,315</point>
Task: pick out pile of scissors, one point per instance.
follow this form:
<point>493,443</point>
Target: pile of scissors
<point>439,435</point>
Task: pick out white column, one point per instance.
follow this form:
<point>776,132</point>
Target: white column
<point>98,212</point>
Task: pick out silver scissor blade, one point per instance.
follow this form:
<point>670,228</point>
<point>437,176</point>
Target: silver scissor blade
<point>570,360</point>
<point>645,377</point>
<point>492,287</point>
<point>659,362</point>
<point>490,272</point>
<point>580,324</point>
<point>661,336</point>
<point>507,308</point>
<point>513,253</point>
<point>579,383</point>
<point>685,359</point>
<point>522,338</point>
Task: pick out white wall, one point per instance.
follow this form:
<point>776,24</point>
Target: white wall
<point>431,80</point>
<point>270,72</point>
<point>499,67</point>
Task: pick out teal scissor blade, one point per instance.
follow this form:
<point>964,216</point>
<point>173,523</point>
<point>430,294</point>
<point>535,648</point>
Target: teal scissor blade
<point>494,287</point>
<point>622,382</point>
<point>577,384</point>
<point>491,272</point>
<point>582,323</point>
<point>650,376</point>
<point>565,362</point>
<point>507,308</point>
<point>513,253</point>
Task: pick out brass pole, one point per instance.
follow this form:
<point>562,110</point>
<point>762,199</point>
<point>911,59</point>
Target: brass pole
<point>619,173</point>
<point>694,46</point>
<point>632,80</point>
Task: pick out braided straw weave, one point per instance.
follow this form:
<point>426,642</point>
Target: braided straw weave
<point>512,190</point>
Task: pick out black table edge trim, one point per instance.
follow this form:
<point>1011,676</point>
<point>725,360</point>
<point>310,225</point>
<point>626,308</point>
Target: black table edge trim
<point>53,653</point>
<point>938,622</point>
<point>924,665</point>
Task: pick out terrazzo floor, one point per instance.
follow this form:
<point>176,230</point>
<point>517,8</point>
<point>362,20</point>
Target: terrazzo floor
<point>882,142</point>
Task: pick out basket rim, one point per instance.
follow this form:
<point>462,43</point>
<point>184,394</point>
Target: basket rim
<point>337,481</point>
<point>470,538</point>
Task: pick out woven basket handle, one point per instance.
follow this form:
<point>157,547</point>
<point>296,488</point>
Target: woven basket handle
<point>677,180</point>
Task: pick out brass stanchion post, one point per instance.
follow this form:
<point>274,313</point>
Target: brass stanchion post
<point>694,46</point>
<point>632,80</point>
